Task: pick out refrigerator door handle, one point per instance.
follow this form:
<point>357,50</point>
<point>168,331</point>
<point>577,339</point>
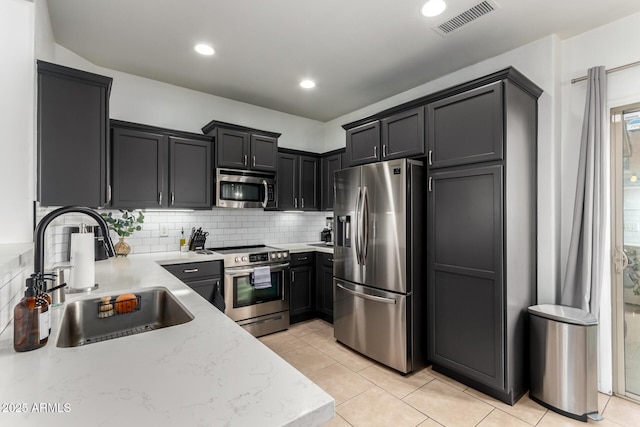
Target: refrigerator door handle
<point>357,227</point>
<point>367,296</point>
<point>365,224</point>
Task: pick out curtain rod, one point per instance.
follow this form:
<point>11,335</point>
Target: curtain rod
<point>613,70</point>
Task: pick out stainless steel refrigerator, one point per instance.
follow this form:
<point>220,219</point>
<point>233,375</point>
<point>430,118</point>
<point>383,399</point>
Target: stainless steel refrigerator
<point>379,289</point>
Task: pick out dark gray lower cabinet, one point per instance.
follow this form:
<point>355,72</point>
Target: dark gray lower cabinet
<point>324,286</point>
<point>466,301</point>
<point>73,134</point>
<point>202,277</point>
<point>302,289</point>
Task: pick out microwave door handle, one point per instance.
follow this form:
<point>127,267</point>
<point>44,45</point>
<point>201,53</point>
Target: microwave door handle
<point>266,192</point>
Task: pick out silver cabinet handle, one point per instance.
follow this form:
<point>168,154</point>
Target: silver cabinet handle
<point>304,258</point>
<point>254,161</point>
<point>245,160</point>
<point>367,296</point>
<point>108,194</point>
<point>293,276</point>
<point>430,157</point>
<point>302,201</point>
<point>160,198</point>
<point>384,150</point>
<point>173,198</point>
<point>430,187</point>
<point>375,151</point>
<point>295,202</point>
<point>190,270</point>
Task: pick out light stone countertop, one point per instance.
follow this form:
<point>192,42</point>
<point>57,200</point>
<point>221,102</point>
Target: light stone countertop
<point>207,372</point>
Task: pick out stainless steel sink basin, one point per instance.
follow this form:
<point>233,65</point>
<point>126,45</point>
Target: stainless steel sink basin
<point>158,308</point>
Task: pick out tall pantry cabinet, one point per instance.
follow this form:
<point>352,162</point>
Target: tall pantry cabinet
<point>482,233</point>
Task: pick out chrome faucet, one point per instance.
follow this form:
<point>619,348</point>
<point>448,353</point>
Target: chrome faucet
<point>38,235</point>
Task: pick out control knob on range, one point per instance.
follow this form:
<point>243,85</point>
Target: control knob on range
<point>237,259</point>
<point>244,258</point>
<point>279,255</point>
<point>273,255</point>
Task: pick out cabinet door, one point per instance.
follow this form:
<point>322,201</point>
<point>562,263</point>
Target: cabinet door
<point>189,173</point>
<point>72,138</point>
<point>363,143</point>
<point>287,181</point>
<point>403,134</point>
<point>466,128</point>
<point>324,287</point>
<point>465,287</point>
<point>264,150</point>
<point>330,164</point>
<point>204,287</point>
<point>309,168</point>
<point>232,149</point>
<point>139,169</point>
<point>301,294</point>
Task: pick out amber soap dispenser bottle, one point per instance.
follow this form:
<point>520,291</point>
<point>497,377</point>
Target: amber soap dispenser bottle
<point>30,326</point>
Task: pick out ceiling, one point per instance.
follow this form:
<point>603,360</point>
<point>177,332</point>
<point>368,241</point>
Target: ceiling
<point>359,52</point>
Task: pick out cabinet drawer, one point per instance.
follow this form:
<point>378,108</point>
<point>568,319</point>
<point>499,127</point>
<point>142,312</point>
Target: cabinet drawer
<point>195,270</point>
<point>303,258</point>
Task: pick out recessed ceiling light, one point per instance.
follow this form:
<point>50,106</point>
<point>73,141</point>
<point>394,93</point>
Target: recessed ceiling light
<point>433,8</point>
<point>307,84</point>
<point>204,49</point>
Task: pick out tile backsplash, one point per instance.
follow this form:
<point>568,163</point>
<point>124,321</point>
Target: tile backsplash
<point>226,227</point>
<point>13,274</point>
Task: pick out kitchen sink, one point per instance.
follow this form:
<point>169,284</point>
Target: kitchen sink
<point>321,245</point>
<point>155,308</point>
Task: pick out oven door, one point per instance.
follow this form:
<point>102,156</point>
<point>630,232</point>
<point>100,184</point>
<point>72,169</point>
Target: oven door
<point>244,301</point>
<point>238,189</point>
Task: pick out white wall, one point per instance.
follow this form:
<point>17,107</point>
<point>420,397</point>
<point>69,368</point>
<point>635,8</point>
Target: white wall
<point>17,80</point>
<point>611,45</point>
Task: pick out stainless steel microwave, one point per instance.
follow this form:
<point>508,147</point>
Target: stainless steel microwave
<point>245,189</point>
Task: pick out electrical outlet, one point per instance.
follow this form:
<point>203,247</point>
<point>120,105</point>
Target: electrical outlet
<point>164,232</point>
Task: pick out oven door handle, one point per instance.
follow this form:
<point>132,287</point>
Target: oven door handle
<point>234,272</point>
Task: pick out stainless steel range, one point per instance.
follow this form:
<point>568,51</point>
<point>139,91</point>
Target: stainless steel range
<point>256,287</point>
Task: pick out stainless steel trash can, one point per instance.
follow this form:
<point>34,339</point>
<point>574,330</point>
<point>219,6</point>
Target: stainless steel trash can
<point>564,360</point>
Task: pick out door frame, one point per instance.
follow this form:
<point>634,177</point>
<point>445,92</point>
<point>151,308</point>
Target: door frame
<point>617,241</point>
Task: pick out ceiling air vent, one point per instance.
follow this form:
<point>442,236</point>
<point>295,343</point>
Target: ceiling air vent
<point>466,17</point>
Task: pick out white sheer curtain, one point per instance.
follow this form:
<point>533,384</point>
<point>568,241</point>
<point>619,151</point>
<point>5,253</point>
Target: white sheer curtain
<point>587,261</point>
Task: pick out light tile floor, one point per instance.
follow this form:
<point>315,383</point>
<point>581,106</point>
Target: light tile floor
<point>369,394</point>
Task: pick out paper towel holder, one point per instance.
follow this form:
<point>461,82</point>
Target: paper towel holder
<point>71,289</point>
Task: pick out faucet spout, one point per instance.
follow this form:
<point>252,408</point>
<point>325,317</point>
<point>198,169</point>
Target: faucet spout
<point>38,234</point>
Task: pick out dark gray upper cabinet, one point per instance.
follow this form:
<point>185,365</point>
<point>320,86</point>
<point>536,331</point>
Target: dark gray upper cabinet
<point>288,181</point>
<point>298,182</point>
<point>363,143</point>
<point>73,115</point>
<point>139,169</point>
<point>264,150</point>
<point>466,128</point>
<point>190,184</point>
<point>403,134</point>
<point>309,183</point>
<point>240,147</point>
<point>160,168</point>
<point>330,164</point>
<point>482,235</point>
<point>232,149</point>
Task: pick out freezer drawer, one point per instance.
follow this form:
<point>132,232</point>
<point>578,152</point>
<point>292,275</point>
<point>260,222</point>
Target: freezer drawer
<point>374,323</point>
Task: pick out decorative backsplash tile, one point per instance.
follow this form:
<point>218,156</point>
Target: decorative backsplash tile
<point>226,227</point>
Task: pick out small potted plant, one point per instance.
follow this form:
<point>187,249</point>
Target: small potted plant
<point>124,227</point>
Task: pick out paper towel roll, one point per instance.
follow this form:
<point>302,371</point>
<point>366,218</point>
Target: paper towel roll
<point>82,258</point>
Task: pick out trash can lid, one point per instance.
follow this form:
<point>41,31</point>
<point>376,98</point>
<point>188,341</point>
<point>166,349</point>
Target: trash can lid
<point>564,314</point>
